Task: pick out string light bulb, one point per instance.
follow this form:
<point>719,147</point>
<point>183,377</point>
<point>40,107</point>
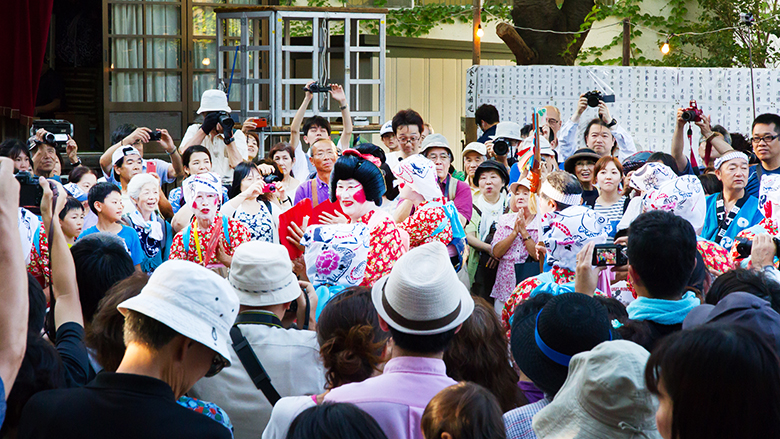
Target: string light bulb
<point>666,48</point>
<point>206,61</point>
<point>480,32</point>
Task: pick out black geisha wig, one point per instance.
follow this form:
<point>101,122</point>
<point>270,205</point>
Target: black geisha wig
<point>353,165</point>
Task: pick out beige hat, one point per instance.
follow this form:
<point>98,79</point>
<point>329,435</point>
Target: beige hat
<point>604,396</point>
<point>190,299</point>
<point>422,295</point>
<point>261,274</point>
<point>522,182</point>
<point>436,141</point>
<point>477,147</point>
<point>213,100</point>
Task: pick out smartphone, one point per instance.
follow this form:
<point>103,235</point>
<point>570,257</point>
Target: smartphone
<point>609,255</point>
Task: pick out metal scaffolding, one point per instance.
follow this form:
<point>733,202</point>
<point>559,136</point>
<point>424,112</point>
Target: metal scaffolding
<point>271,39</point>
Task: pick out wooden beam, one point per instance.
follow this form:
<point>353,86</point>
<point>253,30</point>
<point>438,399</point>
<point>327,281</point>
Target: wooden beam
<point>476,56</point>
<point>524,54</point>
<point>626,41</point>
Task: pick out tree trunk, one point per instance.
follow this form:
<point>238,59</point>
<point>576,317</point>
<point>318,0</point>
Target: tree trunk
<point>544,14</point>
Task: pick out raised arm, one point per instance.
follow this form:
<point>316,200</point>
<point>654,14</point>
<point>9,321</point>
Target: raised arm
<point>337,93</point>
<point>63,270</point>
<point>678,141</point>
<point>13,288</point>
<point>295,127</point>
<point>140,133</point>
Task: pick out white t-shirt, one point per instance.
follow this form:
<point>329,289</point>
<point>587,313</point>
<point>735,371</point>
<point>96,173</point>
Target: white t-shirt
<point>216,146</point>
<point>283,413</point>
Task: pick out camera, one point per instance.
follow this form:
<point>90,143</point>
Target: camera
<point>609,254</point>
<point>692,113</point>
<point>501,147</point>
<point>745,246</point>
<point>270,183</point>
<point>30,192</point>
<point>225,120</point>
<point>57,131</point>
<point>595,96</point>
<point>155,135</point>
<point>317,88</point>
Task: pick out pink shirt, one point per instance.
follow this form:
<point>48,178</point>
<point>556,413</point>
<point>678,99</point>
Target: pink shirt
<point>397,398</point>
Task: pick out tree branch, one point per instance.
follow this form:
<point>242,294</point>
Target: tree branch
<point>524,54</point>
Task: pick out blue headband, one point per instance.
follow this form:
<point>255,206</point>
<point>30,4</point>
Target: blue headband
<point>549,352</point>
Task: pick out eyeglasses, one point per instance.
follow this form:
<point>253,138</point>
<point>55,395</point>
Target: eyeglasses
<point>323,154</point>
<point>412,139</point>
<point>217,364</point>
<point>768,139</point>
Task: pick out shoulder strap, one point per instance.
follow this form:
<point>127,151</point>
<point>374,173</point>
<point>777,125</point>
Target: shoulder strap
<point>626,203</point>
<point>185,239</point>
<point>253,366</point>
<point>267,206</point>
<point>452,189</point>
<point>225,229</point>
<point>314,191</point>
<point>474,206</point>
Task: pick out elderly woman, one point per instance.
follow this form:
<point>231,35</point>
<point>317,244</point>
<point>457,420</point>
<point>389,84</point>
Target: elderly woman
<point>252,203</point>
<point>154,232</point>
<point>211,238</point>
<point>473,155</point>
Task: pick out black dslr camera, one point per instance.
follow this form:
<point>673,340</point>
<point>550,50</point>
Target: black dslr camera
<point>57,131</point>
<point>155,136</point>
<point>501,147</point>
<point>317,88</point>
<point>30,192</point>
<point>745,246</point>
<point>225,120</point>
<point>693,113</point>
<point>595,96</point>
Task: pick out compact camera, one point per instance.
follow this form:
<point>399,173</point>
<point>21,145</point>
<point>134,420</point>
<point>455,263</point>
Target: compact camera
<point>692,113</point>
<point>609,254</point>
<point>155,136</point>
<point>270,183</point>
<point>317,88</point>
<point>30,192</point>
<point>595,96</point>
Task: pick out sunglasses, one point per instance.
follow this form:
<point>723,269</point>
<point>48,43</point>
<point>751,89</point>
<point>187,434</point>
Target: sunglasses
<point>217,364</point>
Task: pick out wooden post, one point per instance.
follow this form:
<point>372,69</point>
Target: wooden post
<point>476,54</point>
<point>626,41</point>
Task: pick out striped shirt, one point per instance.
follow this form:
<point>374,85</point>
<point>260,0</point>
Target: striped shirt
<point>613,213</point>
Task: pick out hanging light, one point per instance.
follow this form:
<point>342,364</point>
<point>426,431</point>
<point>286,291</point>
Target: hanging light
<point>666,48</point>
<point>206,61</point>
<point>480,32</point>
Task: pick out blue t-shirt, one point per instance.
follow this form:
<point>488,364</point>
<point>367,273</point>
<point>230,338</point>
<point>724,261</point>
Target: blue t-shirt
<point>753,184</point>
<point>128,235</point>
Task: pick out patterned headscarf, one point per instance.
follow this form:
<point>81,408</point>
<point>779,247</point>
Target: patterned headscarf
<point>769,196</point>
<point>75,191</point>
<point>419,172</point>
<point>208,183</point>
<point>683,196</point>
<point>650,176</point>
<point>566,232</point>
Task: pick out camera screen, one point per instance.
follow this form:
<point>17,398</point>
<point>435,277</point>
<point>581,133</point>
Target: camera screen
<point>606,256</point>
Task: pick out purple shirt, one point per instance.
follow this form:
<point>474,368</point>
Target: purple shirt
<point>462,199</point>
<point>304,191</point>
<point>397,398</point>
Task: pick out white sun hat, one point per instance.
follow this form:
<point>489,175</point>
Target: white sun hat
<point>477,147</point>
<point>261,274</point>
<point>192,300</point>
<point>386,128</point>
<point>213,100</point>
<point>507,130</point>
<point>422,295</point>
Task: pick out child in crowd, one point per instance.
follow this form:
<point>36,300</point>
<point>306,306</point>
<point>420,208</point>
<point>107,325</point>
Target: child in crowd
<point>465,410</point>
<point>105,200</point>
<point>72,220</point>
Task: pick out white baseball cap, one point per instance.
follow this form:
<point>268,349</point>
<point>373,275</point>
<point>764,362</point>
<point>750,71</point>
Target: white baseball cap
<point>190,299</point>
<point>507,130</point>
<point>422,295</point>
<point>386,128</point>
<point>123,151</point>
<point>477,147</point>
<point>213,100</point>
<point>261,274</point>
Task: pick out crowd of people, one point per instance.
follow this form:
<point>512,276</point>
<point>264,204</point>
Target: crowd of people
<point>561,284</point>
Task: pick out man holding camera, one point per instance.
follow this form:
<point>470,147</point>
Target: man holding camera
<point>766,146</point>
<point>228,148</point>
<point>129,135</point>
<point>601,134</point>
<point>715,139</point>
<point>45,154</point>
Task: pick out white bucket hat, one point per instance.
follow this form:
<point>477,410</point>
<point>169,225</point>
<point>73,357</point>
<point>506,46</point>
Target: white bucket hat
<point>525,182</point>
<point>477,147</point>
<point>604,396</point>
<point>436,141</point>
<point>422,295</point>
<point>213,100</point>
<point>386,128</point>
<point>190,299</point>
<point>261,274</point>
<point>122,152</point>
<point>507,130</point>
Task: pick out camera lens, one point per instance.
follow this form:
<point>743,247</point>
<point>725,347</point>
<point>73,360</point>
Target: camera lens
<point>501,147</point>
<point>49,138</point>
<point>688,115</point>
<point>593,100</point>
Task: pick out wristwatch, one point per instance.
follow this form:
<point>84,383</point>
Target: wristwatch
<point>227,141</point>
<point>344,107</point>
<point>78,163</point>
<point>612,123</point>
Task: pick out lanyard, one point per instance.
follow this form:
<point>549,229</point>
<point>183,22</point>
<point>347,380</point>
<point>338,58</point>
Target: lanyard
<point>197,244</point>
<point>725,221</point>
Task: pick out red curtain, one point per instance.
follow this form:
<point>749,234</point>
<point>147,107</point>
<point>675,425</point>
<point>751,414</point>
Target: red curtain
<point>24,30</point>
